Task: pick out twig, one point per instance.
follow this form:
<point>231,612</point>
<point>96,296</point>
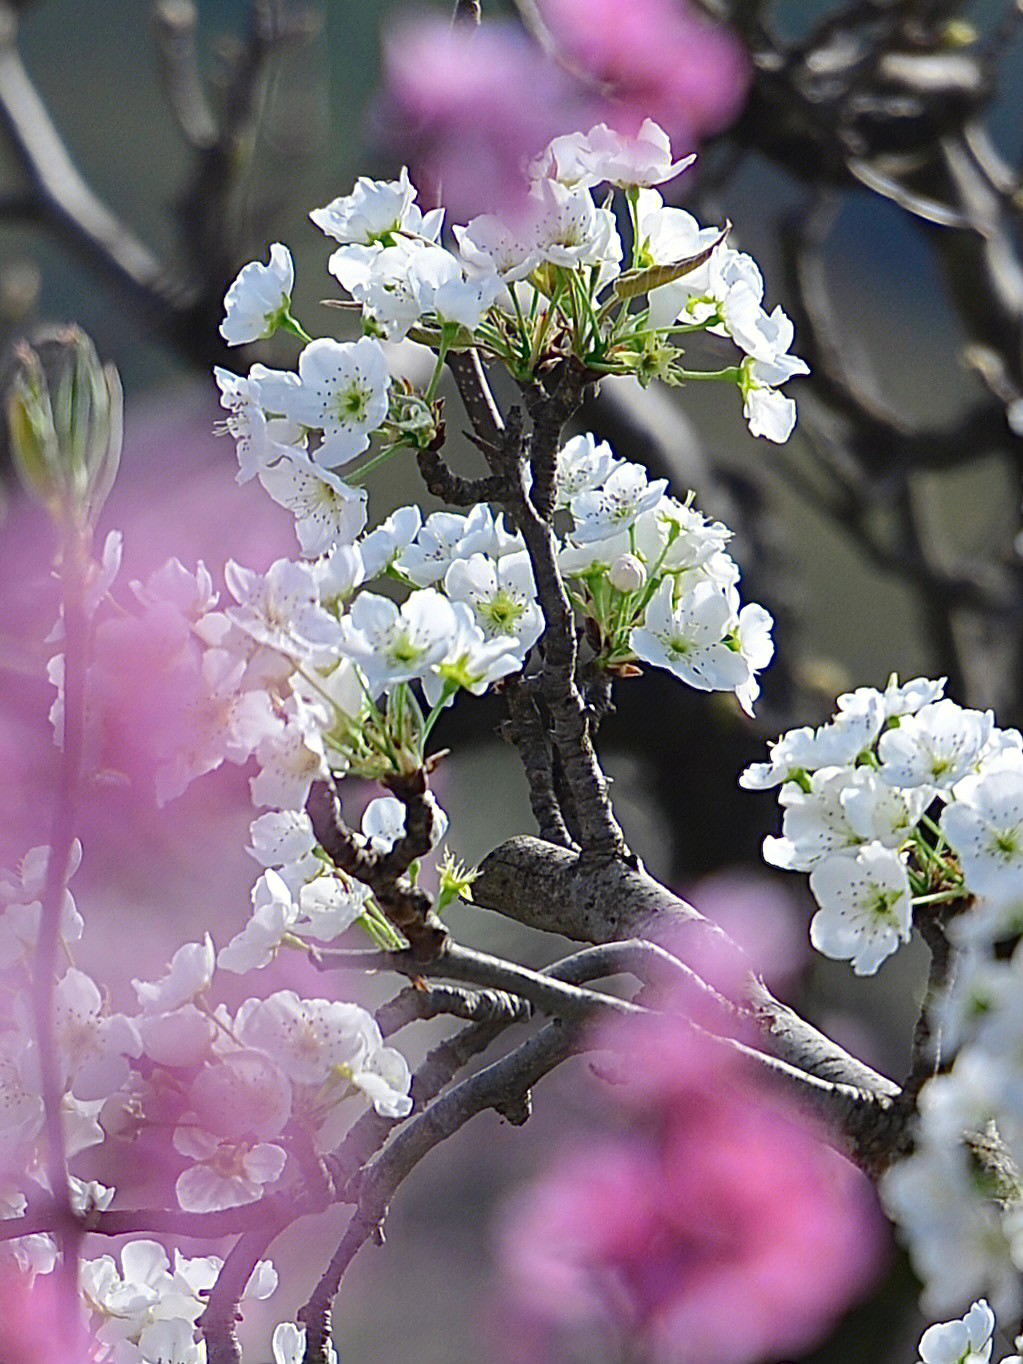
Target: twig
<point>422,1001</point>
<point>526,730</point>
<point>218,1322</point>
<point>63,196</point>
<point>562,1000</point>
<point>175,22</point>
<point>409,908</point>
<point>493,1087</point>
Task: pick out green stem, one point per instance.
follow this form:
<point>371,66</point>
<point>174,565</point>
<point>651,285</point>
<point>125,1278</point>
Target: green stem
<point>448,332</point>
<point>939,897</point>
<point>291,324</point>
<point>354,480</point>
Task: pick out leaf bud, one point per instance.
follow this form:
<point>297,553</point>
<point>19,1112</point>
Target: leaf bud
<point>64,410</point>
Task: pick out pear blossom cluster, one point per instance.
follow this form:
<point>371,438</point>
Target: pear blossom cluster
<point>907,805</point>
<point>903,800</point>
<point>652,578</point>
<point>548,279</point>
<point>963,1223</point>
<point>904,810</point>
<point>145,1307</point>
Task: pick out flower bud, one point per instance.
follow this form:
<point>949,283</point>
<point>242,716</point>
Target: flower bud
<point>627,573</point>
<point>64,410</point>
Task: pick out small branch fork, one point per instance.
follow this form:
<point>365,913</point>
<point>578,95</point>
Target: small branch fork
<point>409,908</point>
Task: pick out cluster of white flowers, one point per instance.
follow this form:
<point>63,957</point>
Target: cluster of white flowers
<point>145,1309</point>
<point>515,290</point>
<point>856,795</point>
<point>310,671</point>
<point>905,805</point>
<point>653,577</point>
<point>962,1220</point>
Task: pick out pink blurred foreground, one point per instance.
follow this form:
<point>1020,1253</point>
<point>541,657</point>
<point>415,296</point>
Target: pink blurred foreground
<point>708,1222</point>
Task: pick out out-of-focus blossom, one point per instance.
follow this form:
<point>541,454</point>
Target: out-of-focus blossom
<point>35,1322</point>
<point>455,95</point>
<point>721,1229</point>
<point>661,60</point>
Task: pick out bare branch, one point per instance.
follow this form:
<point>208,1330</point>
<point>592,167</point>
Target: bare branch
<point>493,1087</point>
<point>62,195</point>
<point>562,1000</point>
<point>175,22</point>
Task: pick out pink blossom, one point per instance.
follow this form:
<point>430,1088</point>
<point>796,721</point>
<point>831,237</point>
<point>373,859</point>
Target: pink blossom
<point>722,1228</point>
<point>469,108</point>
<point>661,60</point>
<point>456,95</point>
<point>38,1325</point>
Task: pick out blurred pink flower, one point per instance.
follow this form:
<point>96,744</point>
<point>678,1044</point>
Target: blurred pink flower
<point>469,107</point>
<point>762,915</point>
<point>720,1228</point>
<point>458,101</point>
<point>660,60</point>
<point>35,1322</point>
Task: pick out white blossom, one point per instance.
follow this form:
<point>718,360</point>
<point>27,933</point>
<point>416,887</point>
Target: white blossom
<point>225,1174</point>
<point>382,546</point>
<point>394,644</point>
<point>256,436</point>
<point>380,280</point>
<point>603,154</point>
<point>490,247</point>
<point>190,974</point>
<point>291,758</point>
<point>966,1341</point>
<point>984,824</point>
<point>625,494</point>
<point>865,909</point>
<point>326,510</point>
<point>502,595</point>
<point>936,746</point>
<point>343,392</point>
<point>444,538</point>
<point>836,744</point>
<point>258,298</point>
<point>280,608</point>
<point>443,290</point>
<point>572,231</point>
<point>376,211</point>
<point>688,638</point>
<point>333,1045</point>
<point>289,1345</point>
<point>275,912</point>
<point>582,464</point>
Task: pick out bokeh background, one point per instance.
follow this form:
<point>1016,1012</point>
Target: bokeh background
<point>883,537</point>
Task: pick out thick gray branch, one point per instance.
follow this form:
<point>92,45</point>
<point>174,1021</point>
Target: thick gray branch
<point>600,900</point>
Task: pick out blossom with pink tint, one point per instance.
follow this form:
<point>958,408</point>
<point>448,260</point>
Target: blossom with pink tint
<point>722,1228</point>
<point>455,97</point>
<point>661,60</point>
